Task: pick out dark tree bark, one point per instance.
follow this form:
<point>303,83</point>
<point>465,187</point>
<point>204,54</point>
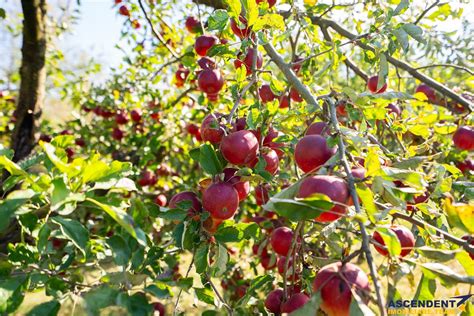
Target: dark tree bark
<point>33,75</point>
<point>32,89</point>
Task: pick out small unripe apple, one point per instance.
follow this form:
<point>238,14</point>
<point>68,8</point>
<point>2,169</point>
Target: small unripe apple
<point>221,200</point>
<point>239,148</point>
<point>204,43</point>
<point>372,85</point>
<point>336,282</point>
<point>295,302</point>
<point>274,300</point>
<point>335,188</point>
<point>404,235</point>
<point>311,152</point>
<point>463,138</point>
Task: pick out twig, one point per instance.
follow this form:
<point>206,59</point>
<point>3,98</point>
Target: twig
<point>157,34</point>
<point>182,95</point>
<point>422,15</point>
<point>175,60</point>
<point>219,296</point>
<point>291,76</point>
<point>181,290</point>
<point>469,71</point>
<point>365,236</point>
<point>288,256</point>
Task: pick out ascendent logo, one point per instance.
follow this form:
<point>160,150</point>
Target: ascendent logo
<point>451,305</point>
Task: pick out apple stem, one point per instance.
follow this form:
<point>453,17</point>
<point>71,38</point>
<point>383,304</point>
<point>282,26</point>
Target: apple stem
<point>355,198</point>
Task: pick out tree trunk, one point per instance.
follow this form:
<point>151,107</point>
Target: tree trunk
<point>33,76</point>
<point>32,89</point>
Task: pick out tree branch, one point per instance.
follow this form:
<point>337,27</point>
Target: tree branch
<point>355,198</point>
<point>397,63</point>
<point>469,71</point>
<point>157,34</point>
<point>422,15</point>
<point>219,296</point>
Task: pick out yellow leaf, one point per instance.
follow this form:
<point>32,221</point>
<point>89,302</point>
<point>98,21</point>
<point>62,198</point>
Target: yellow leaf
<point>269,20</point>
<point>310,2</point>
<point>460,215</point>
<point>252,12</point>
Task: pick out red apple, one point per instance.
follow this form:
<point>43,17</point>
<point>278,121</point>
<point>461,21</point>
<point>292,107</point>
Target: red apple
<point>296,301</point>
<point>311,152</point>
<point>248,60</point>
<point>239,148</point>
<point>428,91</point>
<point>180,76</point>
<point>271,159</point>
<point>281,240</point>
<point>295,95</point>
<point>242,30</point>
<point>470,240</point>
<point>159,308</point>
<point>121,118</point>
<point>335,282</point>
<point>463,138</point>
<point>210,81</point>
<point>204,43</point>
<point>211,129</point>
<point>266,94</point>
<point>117,133</point>
<point>136,115</point>
<point>267,261</point>
<point>404,235</point>
<point>186,196</point>
<point>392,108</point>
<point>221,200</point>
<point>271,3</point>
<point>466,165</point>
<point>372,85</point>
<point>242,187</point>
<point>123,10</point>
<point>193,25</point>
<point>318,128</point>
<point>274,300</point>
<point>284,101</point>
<point>335,188</point>
<point>161,200</point>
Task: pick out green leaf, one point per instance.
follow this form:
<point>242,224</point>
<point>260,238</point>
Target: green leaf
<point>367,198</point>
<point>2,13</point>
<point>209,161</point>
<point>438,255</point>
<point>358,306</point>
<point>205,295</point>
<point>444,274</point>
<point>383,71</point>
<point>11,204</point>
<point>97,170</point>
<point>401,7</point>
<point>50,308</point>
<point>123,219</point>
<point>311,307</point>
<point>414,31</point>
<point>11,293</point>
<point>252,12</point>
<point>218,20</point>
<point>159,290</point>
<point>120,249</point>
<point>62,166</point>
<point>426,289</point>
<point>74,231</point>
<point>267,21</point>
<point>220,261</point>
<point>302,209</point>
<point>173,214</point>
<point>12,167</point>
<point>201,261</point>
<point>235,7</point>
<point>229,231</point>
<point>391,241</point>
<point>99,298</point>
<point>402,38</point>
